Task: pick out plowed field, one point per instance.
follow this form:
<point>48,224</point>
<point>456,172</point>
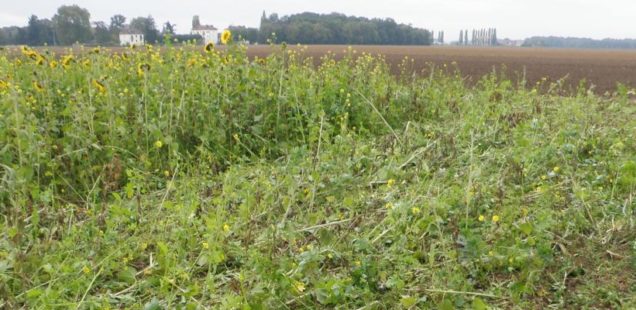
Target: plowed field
<point>602,68</point>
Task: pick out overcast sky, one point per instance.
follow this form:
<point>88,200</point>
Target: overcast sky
<point>515,19</point>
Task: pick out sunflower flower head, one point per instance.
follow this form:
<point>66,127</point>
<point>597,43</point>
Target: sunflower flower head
<point>67,61</point>
<point>226,36</point>
<point>99,86</point>
<point>142,69</point>
<point>209,48</point>
<point>37,86</point>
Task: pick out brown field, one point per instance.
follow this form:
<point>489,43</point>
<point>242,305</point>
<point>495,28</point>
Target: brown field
<point>601,68</point>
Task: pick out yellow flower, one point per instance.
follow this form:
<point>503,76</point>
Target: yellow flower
<point>53,64</point>
<point>415,210</point>
<point>158,144</point>
<point>209,48</point>
<point>226,227</point>
<point>38,86</point>
<point>482,218</point>
<point>226,36</point>
<point>556,169</point>
<point>495,218</point>
<point>389,206</point>
<point>86,269</point>
<point>166,173</point>
<point>40,60</point>
<point>67,61</point>
<point>390,183</point>
<point>99,86</point>
<point>142,69</point>
<point>299,286</point>
<point>205,245</point>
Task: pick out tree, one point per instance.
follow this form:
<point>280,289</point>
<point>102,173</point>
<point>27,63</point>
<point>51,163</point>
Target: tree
<point>117,22</point>
<point>466,37</point>
<point>72,24</point>
<point>102,34</point>
<point>461,37</point>
<point>147,26</point>
<point>240,33</point>
<point>168,29</point>
<point>39,32</point>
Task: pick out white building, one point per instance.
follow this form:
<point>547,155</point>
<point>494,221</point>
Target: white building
<point>208,32</point>
<point>128,37</point>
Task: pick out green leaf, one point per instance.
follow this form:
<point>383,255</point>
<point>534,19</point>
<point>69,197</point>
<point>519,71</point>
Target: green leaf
<point>526,228</point>
<point>408,301</point>
<point>479,304</point>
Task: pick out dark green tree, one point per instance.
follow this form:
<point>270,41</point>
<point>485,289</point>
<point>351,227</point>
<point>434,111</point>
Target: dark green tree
<point>72,24</point>
<point>39,32</point>
<point>102,34</point>
<point>168,29</point>
<point>147,26</point>
<point>117,23</point>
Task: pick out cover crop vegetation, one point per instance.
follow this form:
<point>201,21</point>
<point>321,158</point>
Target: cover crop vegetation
<point>187,178</point>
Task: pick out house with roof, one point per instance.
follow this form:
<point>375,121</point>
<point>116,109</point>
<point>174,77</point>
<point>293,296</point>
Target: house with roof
<point>208,32</point>
<point>130,37</point>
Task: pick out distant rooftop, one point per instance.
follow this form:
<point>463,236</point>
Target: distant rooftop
<point>128,30</point>
<point>204,27</point>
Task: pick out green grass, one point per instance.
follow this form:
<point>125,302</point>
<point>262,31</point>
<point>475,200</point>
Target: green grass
<point>191,180</point>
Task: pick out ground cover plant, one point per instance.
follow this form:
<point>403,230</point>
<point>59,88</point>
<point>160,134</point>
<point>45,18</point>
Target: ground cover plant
<point>192,178</point>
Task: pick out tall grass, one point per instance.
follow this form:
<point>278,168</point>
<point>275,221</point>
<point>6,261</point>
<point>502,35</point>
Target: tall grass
<point>183,178</point>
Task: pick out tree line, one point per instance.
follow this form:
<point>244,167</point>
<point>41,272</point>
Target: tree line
<point>561,42</point>
<point>479,37</point>
<point>335,28</point>
<point>72,24</point>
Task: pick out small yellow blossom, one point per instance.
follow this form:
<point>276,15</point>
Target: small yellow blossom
<point>389,206</point>
<point>390,183</point>
<point>482,218</point>
<point>166,173</point>
<point>556,169</point>
<point>226,227</point>
<point>205,245</point>
<point>416,210</point>
<point>495,218</point>
<point>299,286</point>
<point>86,269</point>
<point>158,144</point>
